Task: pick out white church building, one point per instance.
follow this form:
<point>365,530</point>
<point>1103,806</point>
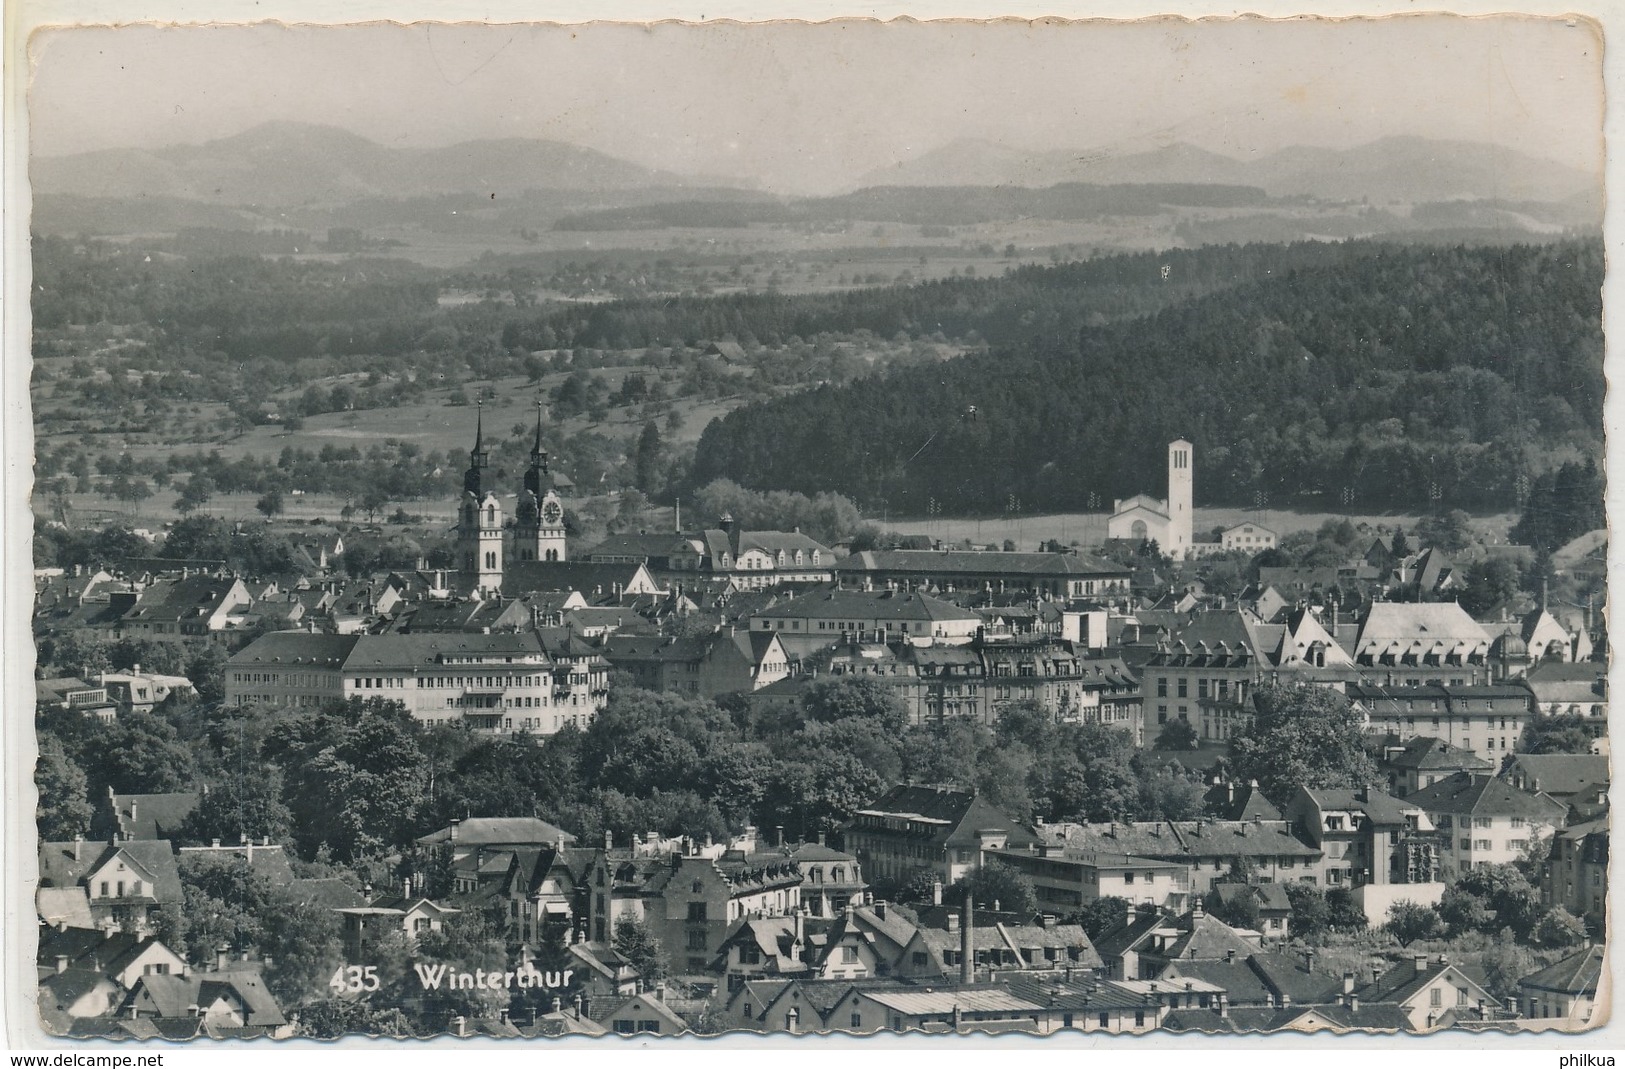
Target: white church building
<point>1167,523</point>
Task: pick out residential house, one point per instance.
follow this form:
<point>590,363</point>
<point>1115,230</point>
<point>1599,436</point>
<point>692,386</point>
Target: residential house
<point>1268,901</point>
<point>1565,689</point>
<point>1486,821</point>
<point>1369,838</point>
<point>941,829</point>
<point>831,879</point>
<point>126,882</point>
<point>825,616</point>
<point>194,607</point>
<point>138,691</point>
<point>1576,874</point>
<point>1263,980</point>
<point>1426,989</point>
<point>409,913</point>
<point>230,1002</point>
<point>1569,778</point>
<point>643,1014</point>
<point>724,662</point>
<point>794,1006</point>
<point>143,816</point>
<point>1423,760</point>
<point>121,957</point>
<point>1565,991</point>
<point>1228,800</point>
<point>1147,941</point>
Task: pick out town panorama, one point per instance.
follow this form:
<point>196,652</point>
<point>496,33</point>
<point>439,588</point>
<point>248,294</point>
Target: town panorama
<point>508,590</point>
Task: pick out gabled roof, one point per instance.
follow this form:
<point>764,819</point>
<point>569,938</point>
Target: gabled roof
<point>1404,980</point>
<point>1577,974</point>
<point>1397,627</point>
<point>955,812</point>
<point>1425,753</point>
<point>1379,807</point>
<point>1465,793</point>
<point>644,1003</point>
<point>504,831</point>
<point>1562,774</point>
<point>1260,979</point>
<point>859,605</point>
<point>58,868</point>
<point>593,580</point>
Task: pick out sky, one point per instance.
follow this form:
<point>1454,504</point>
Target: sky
<point>810,108</point>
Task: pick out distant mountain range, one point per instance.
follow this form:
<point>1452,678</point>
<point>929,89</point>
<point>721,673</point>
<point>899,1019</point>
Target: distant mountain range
<point>280,172</point>
<point>288,163</point>
<point>1402,169</point>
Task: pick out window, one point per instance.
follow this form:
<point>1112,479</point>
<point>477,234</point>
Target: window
<point>696,911</point>
<point>857,1020</point>
<point>1517,822</point>
<point>1105,1020</point>
<point>849,955</point>
<point>1481,844</point>
<point>1139,1018</point>
<point>1128,877</point>
<point>920,959</point>
<point>749,954</point>
<point>1162,686</point>
<point>696,939</point>
<point>1466,844</point>
<point>1482,822</point>
<point>625,1028</point>
<point>1436,998</point>
<point>1184,687</point>
<point>1461,996</point>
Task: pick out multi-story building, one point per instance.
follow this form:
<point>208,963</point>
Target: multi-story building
<point>494,683</point>
<point>751,560</point>
<point>941,829</point>
<point>1486,821</point>
<point>823,617</point>
<point>1367,837</point>
<point>1576,874</point>
<point>1205,671</point>
<point>1065,880</point>
<point>1421,644</point>
<point>1265,850</point>
<point>1486,720</point>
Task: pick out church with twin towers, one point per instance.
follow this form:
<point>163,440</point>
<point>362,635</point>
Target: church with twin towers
<point>483,543</point>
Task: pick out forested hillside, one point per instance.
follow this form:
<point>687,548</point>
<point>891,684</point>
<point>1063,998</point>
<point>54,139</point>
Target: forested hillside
<point>1358,374</point>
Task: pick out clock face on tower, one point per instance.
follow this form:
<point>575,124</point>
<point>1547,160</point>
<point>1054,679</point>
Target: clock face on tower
<point>551,513</point>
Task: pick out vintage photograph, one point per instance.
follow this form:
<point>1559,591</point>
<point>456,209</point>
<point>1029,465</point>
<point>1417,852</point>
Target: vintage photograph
<point>1059,527</point>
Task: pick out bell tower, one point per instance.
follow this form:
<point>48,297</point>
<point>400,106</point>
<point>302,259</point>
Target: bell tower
<point>1181,520</point>
<point>538,532</point>
<point>479,521</point>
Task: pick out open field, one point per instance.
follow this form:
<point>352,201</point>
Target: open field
<point>1089,528</point>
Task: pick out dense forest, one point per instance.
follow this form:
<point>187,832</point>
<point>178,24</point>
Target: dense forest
<point>1359,375</point>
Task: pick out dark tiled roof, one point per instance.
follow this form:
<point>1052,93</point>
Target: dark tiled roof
<point>1465,793</point>
<point>1577,974</point>
<point>967,562</point>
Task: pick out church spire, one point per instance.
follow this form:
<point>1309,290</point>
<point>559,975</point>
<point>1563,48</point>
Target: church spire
<point>478,458</point>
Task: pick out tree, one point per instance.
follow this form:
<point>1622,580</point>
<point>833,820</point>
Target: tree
<point>1491,899</point>
<point>1101,915</point>
<point>647,458</point>
<point>1238,911</point>
<point>1491,582</point>
<point>353,775</point>
<point>1310,916</point>
<point>195,494</point>
<point>64,808</point>
<point>995,882</point>
<point>245,804</point>
<point>848,697</point>
<point>1560,928</point>
<point>1301,735</point>
<point>1177,734</point>
<point>1343,911</point>
<point>304,942</point>
<point>270,503</point>
<point>634,941</point>
<point>1410,921</point>
<point>1569,733</point>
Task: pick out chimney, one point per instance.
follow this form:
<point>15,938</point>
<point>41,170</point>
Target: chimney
<point>609,840</point>
<point>453,834</point>
<point>61,963</point>
<point>1229,957</point>
<point>78,846</point>
<point>1354,1003</point>
<point>459,1025</point>
<point>1197,912</point>
<point>967,941</point>
<point>1131,914</point>
<point>216,844</point>
<point>558,1004</point>
<point>1420,961</point>
<point>576,1003</point>
<point>880,910</point>
<point>406,887</point>
<point>1308,961</point>
<point>821,835</point>
<point>1224,1005</point>
<point>134,803</point>
<point>1348,982</point>
<point>936,892</point>
<point>778,835</point>
<point>222,954</point>
<point>366,891</point>
<point>248,846</point>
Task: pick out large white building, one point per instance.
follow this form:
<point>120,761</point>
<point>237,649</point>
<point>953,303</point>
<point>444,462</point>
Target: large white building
<point>505,683</point>
<point>1169,523</point>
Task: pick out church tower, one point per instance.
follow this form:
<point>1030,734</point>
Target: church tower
<point>1181,520</point>
<point>538,532</point>
<point>479,521</point>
